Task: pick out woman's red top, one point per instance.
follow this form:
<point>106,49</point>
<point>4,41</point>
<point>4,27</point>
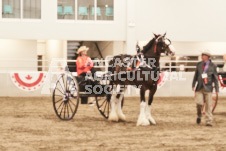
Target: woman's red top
<point>82,64</point>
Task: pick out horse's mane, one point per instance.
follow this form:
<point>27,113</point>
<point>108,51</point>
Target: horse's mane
<point>148,45</point>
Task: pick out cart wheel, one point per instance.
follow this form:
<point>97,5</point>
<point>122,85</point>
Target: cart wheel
<point>104,104</point>
<point>65,96</point>
<point>214,102</point>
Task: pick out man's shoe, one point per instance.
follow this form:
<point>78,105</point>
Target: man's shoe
<point>198,121</point>
<point>209,124</point>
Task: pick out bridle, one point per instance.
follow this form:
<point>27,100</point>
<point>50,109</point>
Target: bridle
<point>140,56</point>
<point>156,44</point>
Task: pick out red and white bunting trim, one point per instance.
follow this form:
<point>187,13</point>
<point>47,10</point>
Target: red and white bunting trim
<point>162,79</point>
<point>28,81</point>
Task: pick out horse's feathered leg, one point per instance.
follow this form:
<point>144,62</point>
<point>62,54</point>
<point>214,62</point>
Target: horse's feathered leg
<point>119,97</point>
<point>113,115</point>
<point>142,120</point>
<point>148,108</point>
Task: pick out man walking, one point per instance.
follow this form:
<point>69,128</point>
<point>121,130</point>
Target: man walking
<point>205,75</point>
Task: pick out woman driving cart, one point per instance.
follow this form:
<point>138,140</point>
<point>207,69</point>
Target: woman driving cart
<point>84,63</point>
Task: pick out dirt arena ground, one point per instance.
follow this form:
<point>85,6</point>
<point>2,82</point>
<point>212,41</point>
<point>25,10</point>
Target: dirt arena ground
<point>31,124</point>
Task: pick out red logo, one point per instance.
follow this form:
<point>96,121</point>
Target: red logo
<point>28,77</point>
<point>28,81</point>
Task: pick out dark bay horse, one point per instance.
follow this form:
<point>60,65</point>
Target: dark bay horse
<point>141,71</point>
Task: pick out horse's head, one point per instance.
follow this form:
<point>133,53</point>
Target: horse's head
<point>164,45</point>
<point>159,44</point>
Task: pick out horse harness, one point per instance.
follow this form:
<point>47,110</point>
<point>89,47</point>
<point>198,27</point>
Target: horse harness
<point>140,57</point>
<point>140,63</point>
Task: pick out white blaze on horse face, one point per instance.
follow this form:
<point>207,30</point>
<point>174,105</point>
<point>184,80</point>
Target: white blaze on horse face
<point>171,48</point>
<point>167,42</point>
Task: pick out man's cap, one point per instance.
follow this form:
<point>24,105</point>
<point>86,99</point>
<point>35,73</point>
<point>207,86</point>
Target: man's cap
<point>206,52</point>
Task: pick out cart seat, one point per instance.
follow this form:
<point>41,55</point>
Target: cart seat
<point>83,81</point>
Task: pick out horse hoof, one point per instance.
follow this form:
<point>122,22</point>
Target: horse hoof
<point>113,118</point>
<point>151,120</point>
<point>122,117</point>
<point>143,122</point>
